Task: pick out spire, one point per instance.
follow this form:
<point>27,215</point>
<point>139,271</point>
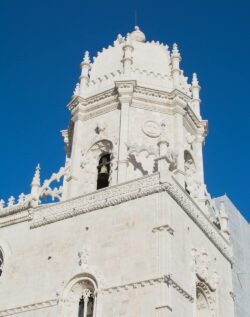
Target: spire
<point>176,59</point>
<point>76,90</point>
<point>35,186</point>
<point>85,68</point>
<point>175,50</point>
<point>36,179</point>
<point>195,81</point>
<point>195,89</point>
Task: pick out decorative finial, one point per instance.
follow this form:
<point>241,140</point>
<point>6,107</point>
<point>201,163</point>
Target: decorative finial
<point>77,90</point>
<point>2,203</point>
<point>36,179</point>
<point>21,198</point>
<point>138,35</point>
<point>195,81</point>
<point>11,201</point>
<point>175,50</point>
<point>119,40</point>
<point>86,58</point>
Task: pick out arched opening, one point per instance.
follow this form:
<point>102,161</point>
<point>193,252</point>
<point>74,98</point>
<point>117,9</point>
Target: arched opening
<point>202,306</point>
<point>86,303</point>
<point>1,262</point>
<point>103,171</point>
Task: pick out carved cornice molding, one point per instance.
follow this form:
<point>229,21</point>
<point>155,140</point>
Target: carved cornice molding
<point>134,285</point>
<point>170,281</point>
<point>167,279</point>
<point>35,306</point>
<point>13,218</point>
<point>98,200</point>
<point>128,191</point>
<point>196,214</point>
<point>92,99</point>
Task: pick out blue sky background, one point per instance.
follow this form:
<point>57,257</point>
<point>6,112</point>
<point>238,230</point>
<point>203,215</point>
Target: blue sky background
<point>42,44</point>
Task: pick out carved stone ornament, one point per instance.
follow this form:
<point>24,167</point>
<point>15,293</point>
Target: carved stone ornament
<point>151,129</point>
<point>203,269</point>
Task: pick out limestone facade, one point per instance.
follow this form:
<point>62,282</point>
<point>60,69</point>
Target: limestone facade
<point>131,229</point>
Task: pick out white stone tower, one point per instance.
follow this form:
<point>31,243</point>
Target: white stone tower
<point>134,231</point>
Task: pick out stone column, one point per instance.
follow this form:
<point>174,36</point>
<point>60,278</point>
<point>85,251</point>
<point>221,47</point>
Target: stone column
<point>125,91</point>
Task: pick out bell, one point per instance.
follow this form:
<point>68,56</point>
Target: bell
<point>104,169</point>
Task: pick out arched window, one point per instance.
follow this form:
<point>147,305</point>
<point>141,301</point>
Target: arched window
<point>202,306</point>
<point>103,171</point>
<point>1,262</point>
<point>86,300</point>
<point>79,298</point>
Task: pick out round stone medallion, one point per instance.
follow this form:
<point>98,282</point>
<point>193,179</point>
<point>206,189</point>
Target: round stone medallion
<point>151,129</point>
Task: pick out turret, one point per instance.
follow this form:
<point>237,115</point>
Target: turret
<point>176,59</point>
<point>195,89</point>
<point>127,56</point>
<point>85,68</point>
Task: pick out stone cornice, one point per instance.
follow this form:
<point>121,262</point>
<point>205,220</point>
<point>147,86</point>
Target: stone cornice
<point>98,200</point>
<point>17,217</point>
<point>128,191</point>
<point>30,307</point>
<point>167,279</point>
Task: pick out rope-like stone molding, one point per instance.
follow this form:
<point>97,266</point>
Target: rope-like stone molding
<point>199,218</point>
<point>17,217</point>
<point>98,200</point>
<point>35,306</point>
<point>163,228</point>
<point>129,191</point>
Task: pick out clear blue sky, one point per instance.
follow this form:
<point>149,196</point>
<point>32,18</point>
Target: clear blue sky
<point>42,44</point>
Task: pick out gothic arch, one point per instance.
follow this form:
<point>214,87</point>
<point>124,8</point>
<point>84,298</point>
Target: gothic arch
<point>79,297</point>
<point>205,300</point>
<point>90,162</point>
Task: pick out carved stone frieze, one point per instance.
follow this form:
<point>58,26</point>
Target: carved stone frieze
<point>168,279</point>
<point>30,307</point>
<point>128,191</point>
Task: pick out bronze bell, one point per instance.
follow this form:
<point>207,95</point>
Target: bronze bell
<point>104,170</point>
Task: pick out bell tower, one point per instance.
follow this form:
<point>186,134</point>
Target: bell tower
<point>132,104</point>
<point>131,229</point>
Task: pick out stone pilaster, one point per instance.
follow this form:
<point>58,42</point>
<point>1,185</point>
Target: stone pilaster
<point>76,156</point>
<point>125,92</point>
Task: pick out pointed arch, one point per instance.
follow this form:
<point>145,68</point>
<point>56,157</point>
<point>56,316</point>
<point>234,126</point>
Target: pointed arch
<point>92,163</point>
<point>205,300</point>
